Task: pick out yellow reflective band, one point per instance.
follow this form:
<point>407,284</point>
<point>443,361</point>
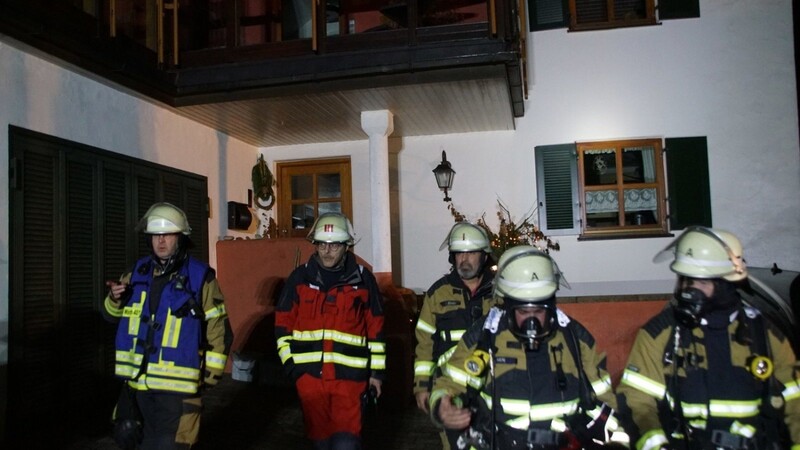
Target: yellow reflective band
<point>346,338</point>
<point>112,309</point>
<point>425,327</point>
<point>515,407</point>
<point>742,429</point>
<point>558,425</point>
<point>216,311</point>
<point>377,362</point>
<point>377,347</point>
<point>734,408</point>
<point>128,357</point>
<point>694,410</point>
<point>169,369</point>
<point>284,341</point>
<point>520,423</point>
<point>643,384</point>
<point>302,358</point>
<point>215,360</point>
<point>602,385</point>
<point>550,411</point>
<point>349,361</point>
<point>451,335</point>
<point>445,356</point>
<point>308,335</point>
<point>154,382</point>
<point>792,390</point>
<point>652,440</point>
<point>488,399</point>
<point>285,353</point>
<point>423,368</point>
<point>172,330</point>
<point>461,377</point>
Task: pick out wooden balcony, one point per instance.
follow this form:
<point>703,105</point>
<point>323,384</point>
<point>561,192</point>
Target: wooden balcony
<point>223,62</point>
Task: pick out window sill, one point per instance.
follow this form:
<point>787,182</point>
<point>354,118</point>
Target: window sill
<point>601,236</point>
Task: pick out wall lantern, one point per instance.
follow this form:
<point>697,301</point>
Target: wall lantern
<point>444,176</point>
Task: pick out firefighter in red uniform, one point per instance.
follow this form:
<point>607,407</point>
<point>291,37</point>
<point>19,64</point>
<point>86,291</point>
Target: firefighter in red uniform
<point>329,330</point>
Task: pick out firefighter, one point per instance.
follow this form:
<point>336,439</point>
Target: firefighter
<point>528,376</point>
<point>329,330</point>
<point>450,306</point>
<point>172,337</point>
<point>710,372</point>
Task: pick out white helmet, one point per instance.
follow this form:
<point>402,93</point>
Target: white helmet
<point>332,227</point>
<point>706,253</point>
<point>164,218</point>
<point>526,274</point>
<point>466,237</point>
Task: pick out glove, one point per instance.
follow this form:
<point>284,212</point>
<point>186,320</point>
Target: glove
<point>211,378</point>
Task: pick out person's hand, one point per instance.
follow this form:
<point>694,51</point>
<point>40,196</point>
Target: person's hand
<point>422,400</point>
<point>452,416</point>
<point>377,384</point>
<point>116,289</point>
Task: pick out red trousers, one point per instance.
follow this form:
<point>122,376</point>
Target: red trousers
<point>330,406</point>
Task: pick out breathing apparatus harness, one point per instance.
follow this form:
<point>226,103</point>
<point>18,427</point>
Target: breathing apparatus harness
<point>589,432</point>
<point>689,306</point>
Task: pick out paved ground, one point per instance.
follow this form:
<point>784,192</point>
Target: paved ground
<point>257,415</point>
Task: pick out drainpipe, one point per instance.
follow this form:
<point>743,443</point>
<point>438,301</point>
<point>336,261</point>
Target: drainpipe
<point>379,125</point>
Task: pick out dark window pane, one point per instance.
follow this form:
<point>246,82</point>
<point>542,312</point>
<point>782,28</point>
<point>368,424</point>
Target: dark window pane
<point>302,186</point>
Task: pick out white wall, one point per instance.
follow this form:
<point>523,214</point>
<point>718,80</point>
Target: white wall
<point>728,75</point>
<point>44,97</point>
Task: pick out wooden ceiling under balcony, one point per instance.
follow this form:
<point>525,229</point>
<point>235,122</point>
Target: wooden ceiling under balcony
<point>436,86</point>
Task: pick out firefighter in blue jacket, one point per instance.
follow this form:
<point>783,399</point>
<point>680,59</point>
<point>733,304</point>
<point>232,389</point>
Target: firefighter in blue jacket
<point>171,338</point>
<point>710,372</point>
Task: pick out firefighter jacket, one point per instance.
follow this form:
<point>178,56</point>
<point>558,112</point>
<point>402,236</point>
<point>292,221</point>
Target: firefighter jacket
<point>702,386</point>
<point>176,344</point>
<point>332,332</point>
<point>533,392</point>
<point>448,309</point>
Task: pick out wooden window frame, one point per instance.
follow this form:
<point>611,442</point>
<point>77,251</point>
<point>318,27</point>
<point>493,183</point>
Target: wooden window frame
<point>623,228</point>
<point>285,170</point>
<point>613,21</point>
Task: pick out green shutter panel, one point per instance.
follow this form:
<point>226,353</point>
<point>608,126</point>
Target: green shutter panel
<point>689,193</point>
<point>196,208</point>
<point>547,14</point>
<point>557,189</point>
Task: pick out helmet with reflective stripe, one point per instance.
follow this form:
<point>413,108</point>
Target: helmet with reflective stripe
<point>527,275</point>
<point>466,237</point>
<point>164,218</point>
<point>706,253</point>
<point>332,227</point>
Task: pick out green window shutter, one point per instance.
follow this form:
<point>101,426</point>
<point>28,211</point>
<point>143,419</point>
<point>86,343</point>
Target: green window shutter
<point>557,189</point>
<point>678,9</point>
<point>547,14</point>
<point>689,193</point>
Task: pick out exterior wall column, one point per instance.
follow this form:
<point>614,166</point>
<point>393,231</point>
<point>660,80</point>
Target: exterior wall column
<point>379,125</point>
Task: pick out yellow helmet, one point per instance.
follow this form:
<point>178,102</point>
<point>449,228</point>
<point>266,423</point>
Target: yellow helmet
<point>706,253</point>
<point>164,218</point>
<point>332,227</point>
<point>466,237</point>
<point>526,274</point>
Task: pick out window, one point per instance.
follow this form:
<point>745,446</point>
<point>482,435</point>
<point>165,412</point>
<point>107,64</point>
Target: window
<point>579,15</point>
<point>310,188</point>
<point>619,188</point>
<point>596,14</point>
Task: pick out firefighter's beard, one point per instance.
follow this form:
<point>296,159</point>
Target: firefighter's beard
<point>467,270</point>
